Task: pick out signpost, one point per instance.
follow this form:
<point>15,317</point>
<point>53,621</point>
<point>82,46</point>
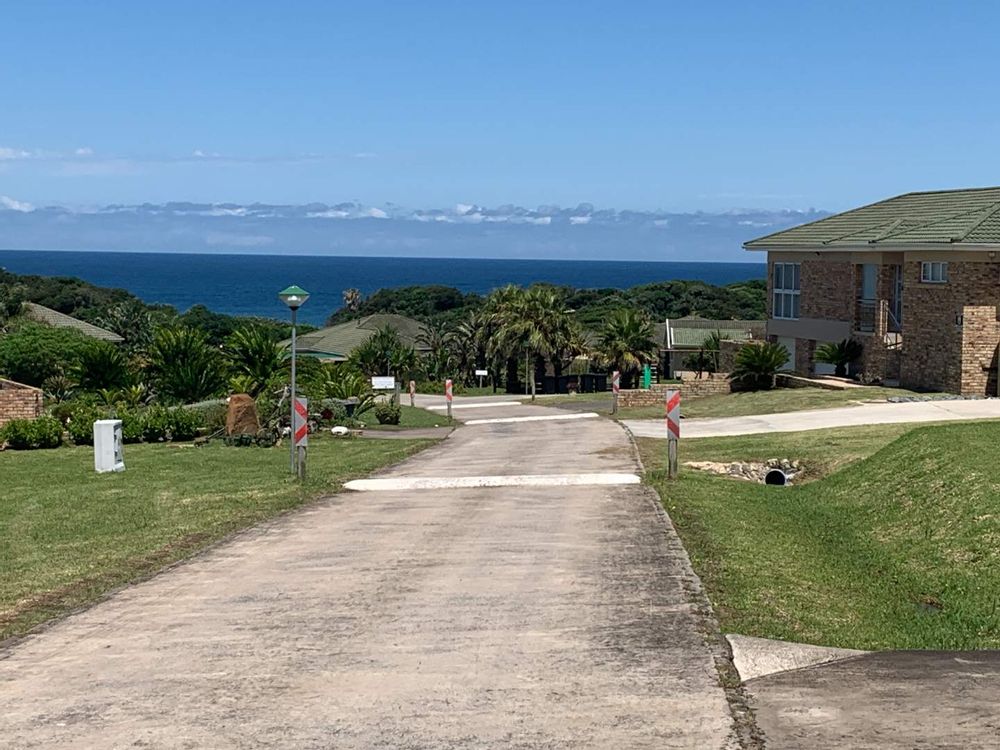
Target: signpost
<point>413,391</point>
<point>300,434</point>
<point>673,413</point>
<point>616,384</point>
<point>482,374</point>
<point>448,396</point>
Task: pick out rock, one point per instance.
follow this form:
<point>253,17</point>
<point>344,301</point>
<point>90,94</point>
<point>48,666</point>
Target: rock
<point>339,431</point>
<point>241,418</point>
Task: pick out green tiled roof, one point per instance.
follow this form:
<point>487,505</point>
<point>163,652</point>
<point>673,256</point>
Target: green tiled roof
<point>943,217</point>
<point>50,317</point>
<point>337,342</point>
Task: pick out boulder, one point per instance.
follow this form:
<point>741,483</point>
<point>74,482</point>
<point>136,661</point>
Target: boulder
<point>241,418</point>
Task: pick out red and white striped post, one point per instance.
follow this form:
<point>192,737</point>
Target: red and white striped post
<point>448,396</point>
<point>616,385</point>
<point>673,413</point>
<point>413,392</point>
<point>300,434</point>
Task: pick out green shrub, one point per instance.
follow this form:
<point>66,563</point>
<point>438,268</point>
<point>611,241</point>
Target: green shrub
<point>211,414</point>
<point>757,363</point>
<point>155,424</point>
<point>184,424</point>
<point>388,412</point>
<point>30,434</point>
<point>133,425</point>
<point>33,353</point>
<point>80,424</point>
<point>840,355</point>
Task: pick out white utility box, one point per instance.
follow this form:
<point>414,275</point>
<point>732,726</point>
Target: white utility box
<point>109,450</point>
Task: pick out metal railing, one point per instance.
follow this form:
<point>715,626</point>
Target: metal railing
<point>865,315</point>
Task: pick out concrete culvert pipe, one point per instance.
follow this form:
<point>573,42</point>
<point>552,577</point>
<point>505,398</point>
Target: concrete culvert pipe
<point>776,477</point>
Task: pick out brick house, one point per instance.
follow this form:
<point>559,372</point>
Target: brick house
<point>915,279</point>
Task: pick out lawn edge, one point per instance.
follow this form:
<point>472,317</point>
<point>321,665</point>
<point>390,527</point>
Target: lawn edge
<point>9,644</point>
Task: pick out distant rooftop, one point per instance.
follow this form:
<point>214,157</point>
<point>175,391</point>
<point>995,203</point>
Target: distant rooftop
<point>690,332</point>
<point>337,342</point>
<point>944,217</point>
<point>50,317</point>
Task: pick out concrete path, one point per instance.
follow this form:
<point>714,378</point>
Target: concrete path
<point>498,617</point>
<point>820,419</point>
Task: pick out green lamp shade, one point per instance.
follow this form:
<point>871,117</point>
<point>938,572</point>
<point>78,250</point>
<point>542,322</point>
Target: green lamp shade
<point>294,297</point>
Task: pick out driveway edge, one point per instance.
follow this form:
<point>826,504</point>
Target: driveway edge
<point>748,733</point>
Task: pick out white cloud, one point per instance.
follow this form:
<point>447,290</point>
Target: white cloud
<point>377,213</point>
<point>84,151</point>
<point>579,219</point>
<point>11,154</point>
<point>12,205</point>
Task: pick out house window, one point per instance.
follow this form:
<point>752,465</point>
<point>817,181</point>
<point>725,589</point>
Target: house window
<point>786,290</point>
<point>933,272</point>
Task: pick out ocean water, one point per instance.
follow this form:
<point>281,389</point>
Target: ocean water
<point>249,284</point>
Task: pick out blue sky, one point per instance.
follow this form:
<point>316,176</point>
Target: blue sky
<point>646,105</point>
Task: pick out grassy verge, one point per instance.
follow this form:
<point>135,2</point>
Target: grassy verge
<point>897,548</point>
<point>769,402</point>
<point>68,535</point>
<point>410,418</point>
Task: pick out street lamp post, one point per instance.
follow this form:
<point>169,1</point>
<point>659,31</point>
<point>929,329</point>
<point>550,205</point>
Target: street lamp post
<point>294,297</point>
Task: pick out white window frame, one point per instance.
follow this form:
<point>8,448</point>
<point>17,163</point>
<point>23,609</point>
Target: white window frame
<point>934,272</point>
<point>787,293</point>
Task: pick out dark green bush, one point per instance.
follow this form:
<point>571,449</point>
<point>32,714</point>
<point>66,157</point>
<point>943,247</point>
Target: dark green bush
<point>30,434</point>
<point>388,412</point>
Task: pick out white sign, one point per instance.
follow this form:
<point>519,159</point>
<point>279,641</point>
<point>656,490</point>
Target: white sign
<point>109,450</point>
<point>482,373</point>
<point>383,383</point>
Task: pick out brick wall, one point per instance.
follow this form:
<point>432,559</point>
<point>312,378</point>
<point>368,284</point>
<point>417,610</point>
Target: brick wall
<point>690,387</point>
<point>827,289</point>
<point>18,401</point>
<point>980,337</point>
<point>805,350</point>
<point>933,338</point>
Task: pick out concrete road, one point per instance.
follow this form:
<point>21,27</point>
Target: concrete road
<point>821,419</point>
<point>527,617</point>
<point>896,700</point>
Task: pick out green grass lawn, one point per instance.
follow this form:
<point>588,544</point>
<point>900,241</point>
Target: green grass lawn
<point>898,547</point>
<point>767,402</point>
<point>411,417</point>
<point>68,535</point>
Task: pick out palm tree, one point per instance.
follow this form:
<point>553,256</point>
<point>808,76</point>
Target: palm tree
<point>534,321</point>
<point>101,364</point>
<point>183,366</point>
<point>132,321</point>
<point>627,342</point>
<point>255,357</point>
<point>352,299</point>
<point>757,363</point>
<point>435,337</point>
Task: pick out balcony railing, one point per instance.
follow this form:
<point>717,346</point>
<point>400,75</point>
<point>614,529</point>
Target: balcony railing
<point>865,315</point>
